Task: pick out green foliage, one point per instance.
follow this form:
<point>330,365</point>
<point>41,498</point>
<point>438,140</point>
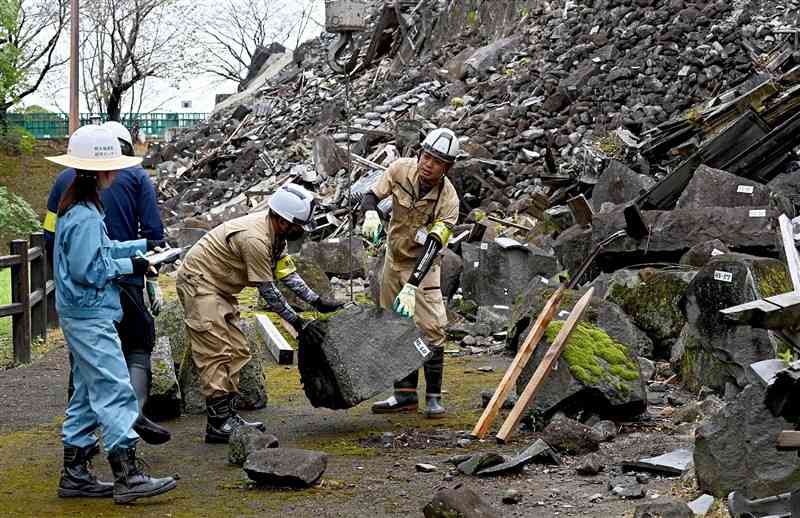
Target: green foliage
<point>11,75</point>
<point>472,18</point>
<point>787,357</point>
<point>17,140</point>
<point>17,217</point>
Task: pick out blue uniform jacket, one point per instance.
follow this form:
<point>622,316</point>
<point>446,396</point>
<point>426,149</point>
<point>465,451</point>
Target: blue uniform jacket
<point>131,211</point>
<point>86,263</point>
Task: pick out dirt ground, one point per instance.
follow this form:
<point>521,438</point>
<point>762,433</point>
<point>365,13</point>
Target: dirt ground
<point>364,479</point>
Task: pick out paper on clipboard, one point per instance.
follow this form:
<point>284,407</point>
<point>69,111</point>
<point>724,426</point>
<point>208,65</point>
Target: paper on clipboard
<point>169,255</point>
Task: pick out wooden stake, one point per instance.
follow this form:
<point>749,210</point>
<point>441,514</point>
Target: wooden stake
<point>789,440</point>
<point>787,236</point>
<point>550,358</point>
<point>524,354</point>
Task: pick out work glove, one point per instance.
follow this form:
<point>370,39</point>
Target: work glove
<point>309,331</point>
<point>405,303</point>
<point>140,265</point>
<point>371,229</point>
<point>324,305</point>
<point>153,244</point>
<point>154,296</point>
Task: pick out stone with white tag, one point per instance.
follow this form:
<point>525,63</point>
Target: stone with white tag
<point>419,343</point>
<point>745,189</point>
<point>723,276</point>
<point>484,246</point>
<point>758,213</point>
<point>717,252</point>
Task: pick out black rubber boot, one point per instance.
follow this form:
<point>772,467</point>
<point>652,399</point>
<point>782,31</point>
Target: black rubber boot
<point>131,481</point>
<point>233,403</point>
<point>434,371</point>
<point>77,479</point>
<point>404,398</point>
<point>219,423</point>
<point>139,371</point>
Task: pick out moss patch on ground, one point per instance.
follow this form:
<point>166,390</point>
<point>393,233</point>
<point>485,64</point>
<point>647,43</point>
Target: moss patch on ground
<point>594,357</point>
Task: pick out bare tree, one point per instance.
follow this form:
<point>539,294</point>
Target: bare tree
<point>130,41</point>
<point>29,35</point>
<point>236,32</point>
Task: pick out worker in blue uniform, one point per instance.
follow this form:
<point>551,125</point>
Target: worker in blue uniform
<point>131,212</point>
<point>86,264</point>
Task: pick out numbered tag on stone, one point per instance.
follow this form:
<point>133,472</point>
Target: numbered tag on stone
<point>422,347</point>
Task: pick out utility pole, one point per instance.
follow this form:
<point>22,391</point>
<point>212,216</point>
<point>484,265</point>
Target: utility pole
<point>74,107</point>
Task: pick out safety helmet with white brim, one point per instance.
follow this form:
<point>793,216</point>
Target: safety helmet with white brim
<point>294,204</point>
<point>442,144</point>
<point>94,148</point>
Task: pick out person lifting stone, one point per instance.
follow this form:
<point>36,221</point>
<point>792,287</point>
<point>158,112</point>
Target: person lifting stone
<point>246,251</point>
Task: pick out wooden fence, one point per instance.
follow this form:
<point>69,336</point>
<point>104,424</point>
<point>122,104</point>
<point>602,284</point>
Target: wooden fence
<point>32,306</point>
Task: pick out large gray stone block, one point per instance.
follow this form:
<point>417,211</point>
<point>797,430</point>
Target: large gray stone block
<point>336,258</point>
<point>365,350</point>
<point>618,184</point>
<point>735,450</point>
<point>711,187</point>
<point>459,502</point>
<point>285,467</point>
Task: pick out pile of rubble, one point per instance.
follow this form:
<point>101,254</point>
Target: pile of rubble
<point>675,121</point>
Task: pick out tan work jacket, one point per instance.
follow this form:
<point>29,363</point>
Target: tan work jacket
<point>238,253</point>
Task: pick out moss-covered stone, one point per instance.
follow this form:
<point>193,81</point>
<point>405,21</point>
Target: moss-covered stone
<point>652,299</point>
<point>772,278</point>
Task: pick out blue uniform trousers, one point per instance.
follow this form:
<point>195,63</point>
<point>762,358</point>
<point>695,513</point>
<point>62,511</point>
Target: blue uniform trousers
<point>103,394</point>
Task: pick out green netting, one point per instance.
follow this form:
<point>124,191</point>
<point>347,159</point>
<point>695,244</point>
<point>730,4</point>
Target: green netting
<point>56,125</point>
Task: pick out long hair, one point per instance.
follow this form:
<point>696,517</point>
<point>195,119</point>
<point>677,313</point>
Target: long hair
<point>83,189</point>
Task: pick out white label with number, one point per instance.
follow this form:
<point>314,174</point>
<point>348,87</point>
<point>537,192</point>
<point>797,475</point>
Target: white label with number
<point>421,347</point>
<point>758,213</point>
<point>498,306</point>
<point>476,264</point>
<point>544,281</point>
<point>723,276</point>
<point>484,246</point>
<point>716,252</point>
<point>562,314</point>
<point>745,189</point>
<point>334,240</point>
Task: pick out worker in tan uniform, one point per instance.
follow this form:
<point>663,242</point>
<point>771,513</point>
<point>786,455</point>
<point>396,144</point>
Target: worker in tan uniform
<point>424,211</point>
<point>247,251</point>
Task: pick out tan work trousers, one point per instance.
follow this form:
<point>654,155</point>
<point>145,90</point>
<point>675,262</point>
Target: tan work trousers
<point>219,347</point>
<point>430,315</point>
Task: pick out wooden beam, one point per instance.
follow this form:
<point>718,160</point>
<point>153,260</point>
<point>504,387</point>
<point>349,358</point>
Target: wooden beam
<point>788,440</point>
<point>524,354</point>
<point>547,363</point>
<point>787,236</point>
<point>274,340</point>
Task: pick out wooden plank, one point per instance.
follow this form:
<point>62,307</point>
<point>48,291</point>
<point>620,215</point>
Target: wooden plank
<point>787,236</point>
<point>581,209</point>
<point>524,354</point>
<point>549,360</point>
<point>20,293</point>
<point>788,440</point>
<point>9,260</point>
<point>6,310</point>
<point>38,272</point>
<point>275,342</point>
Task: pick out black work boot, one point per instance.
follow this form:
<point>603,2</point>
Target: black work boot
<point>434,371</point>
<point>141,377</point>
<point>223,419</point>
<point>77,479</point>
<point>131,481</point>
<point>404,398</point>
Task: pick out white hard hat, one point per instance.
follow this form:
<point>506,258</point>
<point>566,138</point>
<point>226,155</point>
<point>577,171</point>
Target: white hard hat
<point>119,131</point>
<point>94,148</point>
<point>443,144</point>
<point>294,204</point>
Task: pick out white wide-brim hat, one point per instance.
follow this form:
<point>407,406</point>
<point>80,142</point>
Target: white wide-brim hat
<point>94,148</point>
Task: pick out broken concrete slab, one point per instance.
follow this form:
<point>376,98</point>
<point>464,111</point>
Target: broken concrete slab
<point>459,501</point>
<point>672,464</point>
<point>337,257</point>
<point>539,452</point>
<point>365,350</point>
<point>494,275</point>
<point>701,505</point>
<point>569,436</point>
<point>285,467</point>
<point>480,461</point>
<point>618,185</point>
<point>165,392</point>
<point>735,450</point>
<point>246,440</point>
<point>664,507</point>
